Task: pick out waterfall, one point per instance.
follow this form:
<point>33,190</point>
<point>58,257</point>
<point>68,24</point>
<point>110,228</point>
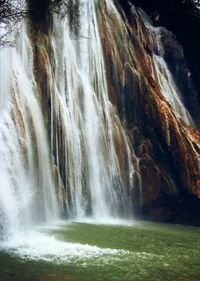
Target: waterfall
<point>27,192</point>
<point>160,70</point>
<point>81,104</point>
<point>73,143</point>
<point>150,105</point>
<point>153,51</point>
<point>69,166</point>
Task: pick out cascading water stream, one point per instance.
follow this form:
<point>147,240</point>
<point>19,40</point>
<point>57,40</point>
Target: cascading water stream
<point>135,51</point>
<point>27,192</point>
<point>81,149</point>
<point>81,104</point>
<point>160,70</point>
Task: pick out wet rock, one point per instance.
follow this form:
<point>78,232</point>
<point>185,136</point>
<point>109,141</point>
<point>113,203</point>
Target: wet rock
<point>167,150</point>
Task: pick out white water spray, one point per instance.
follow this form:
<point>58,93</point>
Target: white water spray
<point>81,104</point>
<point>27,193</point>
<point>81,149</point>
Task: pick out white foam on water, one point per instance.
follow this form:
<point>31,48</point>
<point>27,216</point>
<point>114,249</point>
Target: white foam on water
<point>53,225</point>
<point>107,221</point>
<point>39,246</point>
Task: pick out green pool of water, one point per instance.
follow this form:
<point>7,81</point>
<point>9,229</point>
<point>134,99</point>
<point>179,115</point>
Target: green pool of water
<point>143,252</point>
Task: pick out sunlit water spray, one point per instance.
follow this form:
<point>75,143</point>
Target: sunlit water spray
<point>81,104</point>
<point>81,130</point>
<point>27,193</point>
<point>38,246</point>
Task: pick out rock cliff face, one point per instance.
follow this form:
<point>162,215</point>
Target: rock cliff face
<point>183,19</point>
<point>152,128</point>
<point>163,136</point>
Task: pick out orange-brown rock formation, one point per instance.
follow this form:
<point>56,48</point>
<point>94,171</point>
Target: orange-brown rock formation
<point>167,148</point>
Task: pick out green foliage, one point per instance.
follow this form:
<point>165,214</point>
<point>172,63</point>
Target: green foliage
<point>13,12</point>
<point>71,9</point>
